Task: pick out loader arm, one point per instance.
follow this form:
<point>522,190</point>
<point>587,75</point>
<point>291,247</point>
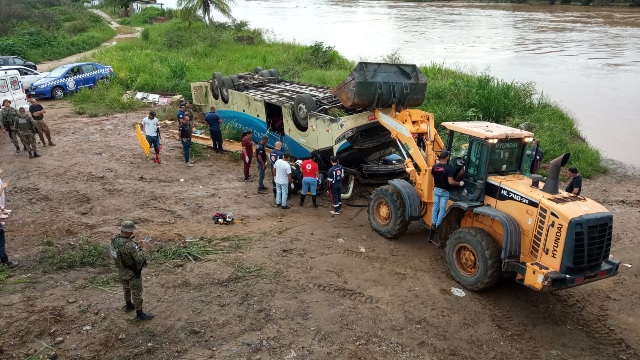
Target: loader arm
<point>402,127</point>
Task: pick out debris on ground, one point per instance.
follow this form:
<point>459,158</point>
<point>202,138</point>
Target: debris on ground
<point>458,292</point>
<point>159,99</point>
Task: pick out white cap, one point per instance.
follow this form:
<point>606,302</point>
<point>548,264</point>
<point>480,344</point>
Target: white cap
<point>299,162</point>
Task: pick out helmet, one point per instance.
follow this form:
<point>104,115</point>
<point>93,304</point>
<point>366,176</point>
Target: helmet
<point>299,162</point>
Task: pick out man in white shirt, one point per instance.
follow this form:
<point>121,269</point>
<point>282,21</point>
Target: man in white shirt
<point>151,129</point>
<point>282,179</point>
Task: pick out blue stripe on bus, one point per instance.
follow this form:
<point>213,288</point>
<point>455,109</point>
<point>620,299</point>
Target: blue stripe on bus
<point>259,128</point>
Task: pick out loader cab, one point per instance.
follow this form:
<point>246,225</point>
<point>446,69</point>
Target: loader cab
<point>476,157</point>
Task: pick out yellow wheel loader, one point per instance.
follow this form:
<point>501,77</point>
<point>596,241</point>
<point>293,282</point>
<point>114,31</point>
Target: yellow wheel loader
<point>501,222</point>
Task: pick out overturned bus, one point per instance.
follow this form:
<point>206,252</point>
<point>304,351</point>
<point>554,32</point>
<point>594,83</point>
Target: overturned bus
<point>313,119</point>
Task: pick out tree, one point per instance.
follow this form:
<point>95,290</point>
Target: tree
<point>192,7</point>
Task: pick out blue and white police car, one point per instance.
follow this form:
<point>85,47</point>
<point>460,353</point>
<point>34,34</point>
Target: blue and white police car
<point>70,78</point>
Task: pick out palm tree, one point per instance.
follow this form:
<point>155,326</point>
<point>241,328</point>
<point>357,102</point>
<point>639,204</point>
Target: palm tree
<point>205,7</point>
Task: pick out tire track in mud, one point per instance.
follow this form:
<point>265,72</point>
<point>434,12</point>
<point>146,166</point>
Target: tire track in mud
<point>433,262</point>
<point>591,314</point>
<point>500,317</point>
<point>348,294</point>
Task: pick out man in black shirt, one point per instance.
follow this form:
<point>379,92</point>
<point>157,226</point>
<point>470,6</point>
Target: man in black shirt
<point>261,157</point>
<point>443,174</point>
<point>185,137</point>
<point>575,185</point>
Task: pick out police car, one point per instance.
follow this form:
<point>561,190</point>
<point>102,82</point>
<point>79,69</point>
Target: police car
<point>70,78</point>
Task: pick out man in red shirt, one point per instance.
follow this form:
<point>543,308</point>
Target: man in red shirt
<point>310,179</point>
<point>247,152</point>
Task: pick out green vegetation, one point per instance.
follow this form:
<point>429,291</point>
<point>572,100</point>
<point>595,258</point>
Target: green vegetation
<point>48,30</point>
<point>172,55</point>
<point>196,250</point>
<point>144,17</point>
<point>111,100</point>
<point>69,256</point>
<point>198,151</point>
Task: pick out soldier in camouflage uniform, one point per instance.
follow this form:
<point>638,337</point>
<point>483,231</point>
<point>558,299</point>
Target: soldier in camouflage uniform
<point>9,116</point>
<point>130,259</point>
<point>26,128</point>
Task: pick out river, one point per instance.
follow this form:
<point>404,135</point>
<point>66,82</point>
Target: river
<point>587,59</point>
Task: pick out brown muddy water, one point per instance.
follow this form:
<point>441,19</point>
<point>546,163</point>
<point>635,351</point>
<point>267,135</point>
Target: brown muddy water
<point>587,59</point>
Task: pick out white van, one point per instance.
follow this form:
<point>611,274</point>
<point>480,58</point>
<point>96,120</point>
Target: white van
<point>11,89</point>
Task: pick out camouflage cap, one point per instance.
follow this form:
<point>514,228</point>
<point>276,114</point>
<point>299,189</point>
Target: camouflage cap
<point>127,226</point>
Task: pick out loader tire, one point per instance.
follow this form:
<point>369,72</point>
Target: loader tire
<point>216,82</point>
<point>387,212</point>
<point>303,105</point>
<point>474,258</point>
<point>225,86</point>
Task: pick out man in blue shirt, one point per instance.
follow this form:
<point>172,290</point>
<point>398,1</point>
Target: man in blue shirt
<point>214,122</point>
<point>182,113</point>
<point>334,179</point>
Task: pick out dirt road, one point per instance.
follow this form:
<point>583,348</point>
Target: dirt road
<point>302,285</point>
<point>124,33</point>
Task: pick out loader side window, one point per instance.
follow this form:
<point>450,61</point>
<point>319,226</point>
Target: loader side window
<point>476,159</point>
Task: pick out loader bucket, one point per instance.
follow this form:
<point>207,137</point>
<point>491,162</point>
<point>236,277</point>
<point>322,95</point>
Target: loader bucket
<point>379,85</point>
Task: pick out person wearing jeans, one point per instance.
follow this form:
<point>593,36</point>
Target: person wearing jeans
<point>283,179</point>
<point>185,138</point>
<point>261,160</point>
<point>310,179</point>
<point>443,174</point>
<point>4,259</point>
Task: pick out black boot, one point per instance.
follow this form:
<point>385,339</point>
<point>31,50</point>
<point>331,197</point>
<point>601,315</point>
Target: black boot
<point>17,149</point>
<point>143,316</point>
<point>301,199</point>
<point>128,307</point>
<point>432,232</point>
<point>30,155</point>
<point>35,154</point>
<point>313,198</point>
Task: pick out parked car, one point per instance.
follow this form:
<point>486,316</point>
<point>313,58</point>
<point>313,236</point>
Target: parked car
<point>29,76</point>
<point>70,78</point>
<point>16,60</point>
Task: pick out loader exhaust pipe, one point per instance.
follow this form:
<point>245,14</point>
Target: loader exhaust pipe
<point>551,185</point>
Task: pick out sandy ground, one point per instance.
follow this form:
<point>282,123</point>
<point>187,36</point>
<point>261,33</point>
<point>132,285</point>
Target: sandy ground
<point>122,36</point>
<point>318,287</point>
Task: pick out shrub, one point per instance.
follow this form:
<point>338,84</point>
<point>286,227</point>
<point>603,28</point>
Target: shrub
<point>75,27</point>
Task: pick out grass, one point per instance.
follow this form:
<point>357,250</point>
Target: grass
<point>171,56</point>
<point>198,151</point>
<point>149,331</point>
<point>196,250</point>
<point>247,274</point>
<point>70,256</point>
<point>51,30</point>
<point>111,102</point>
